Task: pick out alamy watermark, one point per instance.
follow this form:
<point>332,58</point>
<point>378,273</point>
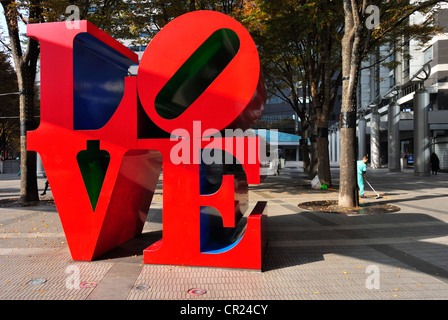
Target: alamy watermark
<point>373,20</point>
<point>373,280</point>
<point>73,280</point>
<point>246,151</point>
<point>72,21</point>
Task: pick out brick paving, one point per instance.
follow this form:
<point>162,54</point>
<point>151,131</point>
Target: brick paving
<point>310,255</point>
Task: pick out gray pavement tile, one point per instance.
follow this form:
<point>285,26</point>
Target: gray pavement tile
<point>310,255</point>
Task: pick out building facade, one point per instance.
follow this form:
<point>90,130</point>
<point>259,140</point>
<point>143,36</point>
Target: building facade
<point>403,112</point>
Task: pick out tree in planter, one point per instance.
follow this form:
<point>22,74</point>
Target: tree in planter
<point>361,36</point>
<point>327,29</point>
<point>25,61</point>
<point>274,27</point>
<point>299,45</point>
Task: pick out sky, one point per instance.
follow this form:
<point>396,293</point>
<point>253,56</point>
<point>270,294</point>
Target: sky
<point>2,23</point>
<point>3,29</point>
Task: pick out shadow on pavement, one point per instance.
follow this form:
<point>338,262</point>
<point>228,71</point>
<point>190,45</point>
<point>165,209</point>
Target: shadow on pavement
<point>399,236</point>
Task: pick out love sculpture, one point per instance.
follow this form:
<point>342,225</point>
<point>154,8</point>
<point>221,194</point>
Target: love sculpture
<point>104,138</point>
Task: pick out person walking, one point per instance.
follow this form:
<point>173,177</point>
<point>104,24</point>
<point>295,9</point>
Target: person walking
<point>361,169</point>
<point>435,163</point>
<point>46,187</point>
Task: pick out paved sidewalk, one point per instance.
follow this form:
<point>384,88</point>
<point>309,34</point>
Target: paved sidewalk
<point>310,255</point>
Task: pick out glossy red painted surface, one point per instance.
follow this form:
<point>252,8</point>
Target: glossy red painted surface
<point>235,99</point>
<point>237,95</point>
<point>125,196</point>
<point>180,244</point>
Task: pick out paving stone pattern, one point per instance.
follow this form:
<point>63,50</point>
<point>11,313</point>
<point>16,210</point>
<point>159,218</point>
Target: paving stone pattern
<point>310,255</point>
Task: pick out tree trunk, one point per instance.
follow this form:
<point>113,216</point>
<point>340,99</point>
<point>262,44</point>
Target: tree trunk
<point>324,161</point>
<point>25,62</point>
<point>323,167</point>
<point>348,190</point>
<point>314,152</point>
<point>304,146</point>
<point>348,187</point>
<point>28,179</point>
<point>324,111</point>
